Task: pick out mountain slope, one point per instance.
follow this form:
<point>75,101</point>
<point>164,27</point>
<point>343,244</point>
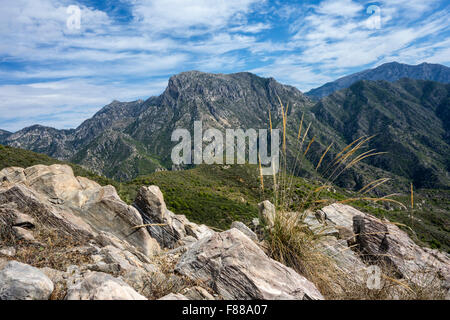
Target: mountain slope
<point>410,119</point>
<point>126,140</point>
<point>4,134</point>
<point>389,72</point>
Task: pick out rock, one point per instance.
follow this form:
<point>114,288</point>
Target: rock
<point>346,259</point>
<point>145,281</point>
<point>197,293</point>
<point>338,214</point>
<point>23,234</point>
<point>198,231</point>
<point>245,230</point>
<point>19,281</point>
<point>187,241</point>
<point>236,268</point>
<point>12,175</point>
<point>174,296</point>
<point>382,241</point>
<point>169,228</point>
<point>8,252</point>
<point>24,221</point>
<point>151,205</point>
<point>77,206</point>
<point>267,212</point>
<point>102,286</point>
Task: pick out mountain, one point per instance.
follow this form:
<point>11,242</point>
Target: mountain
<point>411,121</point>
<point>4,134</point>
<point>126,140</point>
<point>391,72</point>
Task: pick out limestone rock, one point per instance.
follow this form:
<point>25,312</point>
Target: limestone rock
<point>383,241</point>
<point>102,286</point>
<point>19,281</point>
<point>245,230</point>
<point>169,228</point>
<point>77,206</point>
<point>267,212</point>
<point>174,296</point>
<point>8,252</point>
<point>236,268</point>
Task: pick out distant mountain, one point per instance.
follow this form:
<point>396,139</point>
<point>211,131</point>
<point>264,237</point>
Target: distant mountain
<point>4,134</point>
<point>389,72</point>
<point>411,120</point>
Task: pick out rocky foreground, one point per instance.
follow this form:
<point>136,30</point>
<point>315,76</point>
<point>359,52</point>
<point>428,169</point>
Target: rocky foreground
<point>66,237</point>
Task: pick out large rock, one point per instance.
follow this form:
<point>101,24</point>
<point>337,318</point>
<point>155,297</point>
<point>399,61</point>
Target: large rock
<point>236,268</point>
<point>267,212</point>
<point>19,281</point>
<point>54,197</point>
<point>245,230</point>
<point>102,286</point>
<point>165,226</point>
<point>382,241</point>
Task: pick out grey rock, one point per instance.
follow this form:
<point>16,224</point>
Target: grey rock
<point>267,212</point>
<point>19,281</point>
<point>197,293</point>
<point>23,234</point>
<point>174,296</point>
<point>236,268</point>
<point>102,286</point>
<point>8,252</point>
<point>245,230</point>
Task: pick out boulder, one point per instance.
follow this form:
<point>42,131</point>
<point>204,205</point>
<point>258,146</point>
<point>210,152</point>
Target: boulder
<point>54,197</point>
<point>382,241</point>
<point>236,268</point>
<point>102,286</point>
<point>245,230</point>
<point>151,205</point>
<point>174,296</point>
<point>165,226</point>
<point>19,281</point>
<point>267,212</point>
<point>8,252</point>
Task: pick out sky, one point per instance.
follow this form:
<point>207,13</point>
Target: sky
<point>57,72</point>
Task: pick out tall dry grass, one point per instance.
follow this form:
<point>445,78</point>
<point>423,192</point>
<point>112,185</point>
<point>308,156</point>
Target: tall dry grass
<point>293,243</point>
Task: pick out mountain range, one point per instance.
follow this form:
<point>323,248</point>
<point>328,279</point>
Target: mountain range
<point>391,72</point>
<point>410,118</point>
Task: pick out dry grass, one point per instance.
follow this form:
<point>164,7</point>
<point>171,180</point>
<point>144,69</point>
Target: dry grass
<point>291,242</point>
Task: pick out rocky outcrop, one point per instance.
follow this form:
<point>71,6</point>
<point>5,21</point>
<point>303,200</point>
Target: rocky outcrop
<point>384,242</point>
<point>77,206</point>
<point>378,242</point>
<point>245,230</point>
<point>236,268</point>
<point>267,213</point>
<point>163,225</point>
<point>19,281</point>
<point>102,286</point>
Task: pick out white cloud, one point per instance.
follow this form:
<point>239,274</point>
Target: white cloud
<point>61,77</point>
<point>190,16</point>
<point>64,104</point>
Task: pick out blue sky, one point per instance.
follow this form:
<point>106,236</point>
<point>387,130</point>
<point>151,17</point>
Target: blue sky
<point>126,50</point>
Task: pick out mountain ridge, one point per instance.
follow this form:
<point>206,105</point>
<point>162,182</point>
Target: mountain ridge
<point>124,140</point>
<point>391,72</point>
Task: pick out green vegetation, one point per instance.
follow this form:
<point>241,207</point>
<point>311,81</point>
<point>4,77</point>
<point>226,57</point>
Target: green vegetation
<point>13,157</point>
<point>218,195</point>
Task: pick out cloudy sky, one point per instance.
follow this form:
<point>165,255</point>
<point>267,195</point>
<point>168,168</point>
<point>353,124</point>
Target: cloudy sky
<point>56,74</point>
